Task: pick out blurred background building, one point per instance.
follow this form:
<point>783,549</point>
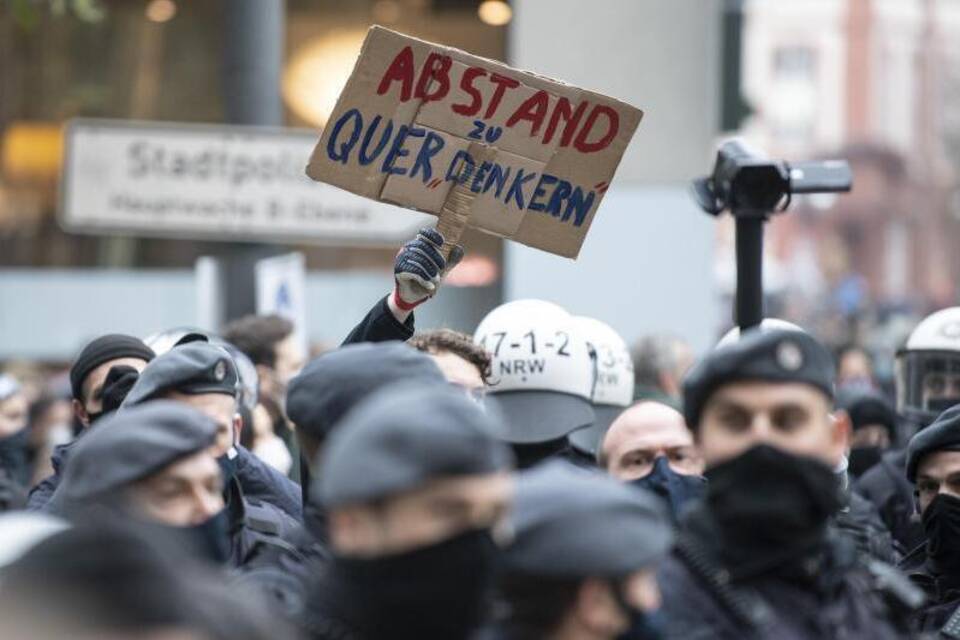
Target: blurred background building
<point>875,81</point>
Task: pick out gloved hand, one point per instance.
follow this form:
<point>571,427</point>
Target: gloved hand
<point>420,267</point>
<point>120,380</point>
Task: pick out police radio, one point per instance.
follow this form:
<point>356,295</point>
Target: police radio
<point>752,187</point>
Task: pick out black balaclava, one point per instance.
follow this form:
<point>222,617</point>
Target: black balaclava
<point>386,595</point>
<point>941,523</point>
<point>771,507</point>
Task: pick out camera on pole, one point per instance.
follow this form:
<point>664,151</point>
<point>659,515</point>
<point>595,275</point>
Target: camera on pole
<point>752,187</point>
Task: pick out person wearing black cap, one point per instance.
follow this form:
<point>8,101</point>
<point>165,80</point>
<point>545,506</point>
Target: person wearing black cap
<point>335,382</point>
<point>414,498</point>
<point>757,556</point>
<point>933,466</point>
<point>88,382</point>
<point>583,558</point>
<point>155,463</point>
<point>90,369</point>
<point>873,424</point>
<point>204,376</point>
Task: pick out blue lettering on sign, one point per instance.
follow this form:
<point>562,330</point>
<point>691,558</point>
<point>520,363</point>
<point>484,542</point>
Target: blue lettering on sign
<point>539,192</point>
<point>460,171</point>
<point>480,175</point>
<point>559,194</point>
<point>578,205</point>
<point>365,156</point>
<point>381,138</point>
<point>431,147</point>
<point>346,147</point>
<point>516,189</point>
<point>497,177</point>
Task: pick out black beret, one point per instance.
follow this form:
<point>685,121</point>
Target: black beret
<point>332,384</point>
<point>131,445</point>
<point>404,436</point>
<point>104,349</point>
<point>194,368</point>
<point>768,355</point>
<point>577,523</point>
<point>943,434</point>
<point>866,407</point>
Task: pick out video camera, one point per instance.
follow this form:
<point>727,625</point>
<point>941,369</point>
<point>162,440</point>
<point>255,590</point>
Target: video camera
<point>749,184</point>
<point>752,187</point>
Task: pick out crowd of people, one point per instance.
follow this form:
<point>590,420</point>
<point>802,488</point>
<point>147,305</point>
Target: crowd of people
<point>535,480</point>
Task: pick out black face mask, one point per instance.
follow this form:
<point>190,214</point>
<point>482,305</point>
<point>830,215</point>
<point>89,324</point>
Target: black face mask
<point>435,592</point>
<point>93,417</point>
<point>771,507</point>
<point>941,523</point>
<point>861,459</point>
<point>209,539</point>
<point>675,489</point>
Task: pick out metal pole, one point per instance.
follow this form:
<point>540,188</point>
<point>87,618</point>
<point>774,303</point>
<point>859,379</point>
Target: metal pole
<point>252,67</point>
<point>253,61</point>
<point>749,303</point>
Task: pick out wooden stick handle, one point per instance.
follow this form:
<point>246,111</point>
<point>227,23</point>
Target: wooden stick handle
<point>455,213</point>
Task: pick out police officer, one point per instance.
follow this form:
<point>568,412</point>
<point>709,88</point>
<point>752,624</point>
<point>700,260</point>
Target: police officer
<point>933,465</point>
<point>335,382</point>
<point>927,382</point>
<point>204,376</point>
<point>873,423</point>
<point>156,464</point>
<point>416,482</point>
<point>582,563</point>
<point>756,557</point>
<point>543,374</point>
<point>613,387</point>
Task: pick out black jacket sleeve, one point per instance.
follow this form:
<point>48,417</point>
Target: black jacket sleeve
<point>380,325</point>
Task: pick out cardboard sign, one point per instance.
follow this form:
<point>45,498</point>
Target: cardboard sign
<point>409,123</point>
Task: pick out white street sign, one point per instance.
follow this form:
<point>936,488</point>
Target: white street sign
<point>212,182</point>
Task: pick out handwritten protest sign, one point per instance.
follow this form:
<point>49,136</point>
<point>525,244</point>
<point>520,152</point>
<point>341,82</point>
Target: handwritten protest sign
<point>419,124</point>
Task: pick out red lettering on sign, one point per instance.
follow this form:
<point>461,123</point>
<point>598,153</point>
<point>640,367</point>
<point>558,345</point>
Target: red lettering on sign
<point>502,83</point>
<point>613,119</point>
<point>435,67</point>
<point>570,118</point>
<point>533,109</point>
<point>400,69</point>
<point>466,83</point>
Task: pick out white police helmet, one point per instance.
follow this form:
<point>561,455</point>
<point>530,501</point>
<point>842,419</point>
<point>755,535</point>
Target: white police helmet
<point>542,370</point>
<point>928,368</point>
<point>613,387</point>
